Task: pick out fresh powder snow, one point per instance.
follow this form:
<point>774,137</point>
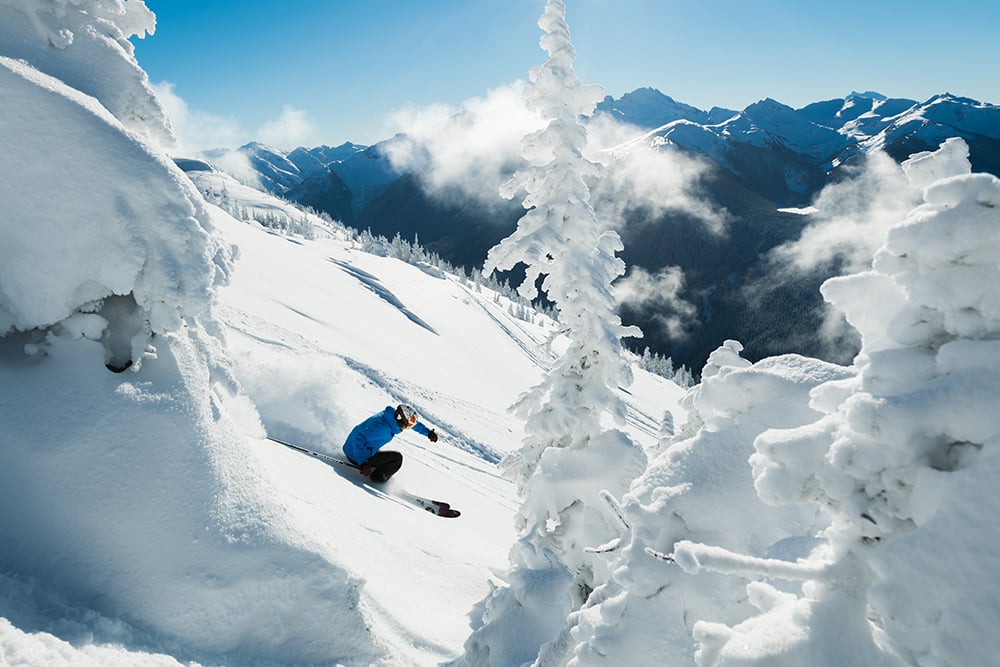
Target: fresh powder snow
<point>153,334</point>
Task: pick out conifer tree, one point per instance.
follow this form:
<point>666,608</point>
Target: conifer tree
<point>568,457</point>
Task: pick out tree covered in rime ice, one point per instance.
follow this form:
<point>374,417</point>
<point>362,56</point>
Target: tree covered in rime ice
<point>68,40</point>
<point>699,488</point>
<point>896,463</point>
<point>165,259</point>
<point>810,514</point>
<point>568,457</point>
<point>905,457</point>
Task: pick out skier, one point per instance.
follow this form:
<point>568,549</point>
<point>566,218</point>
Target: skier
<point>367,438</point>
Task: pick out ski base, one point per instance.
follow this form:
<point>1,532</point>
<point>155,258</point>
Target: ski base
<point>438,507</point>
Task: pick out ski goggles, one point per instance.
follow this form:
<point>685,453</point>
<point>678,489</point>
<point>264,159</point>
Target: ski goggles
<point>404,421</point>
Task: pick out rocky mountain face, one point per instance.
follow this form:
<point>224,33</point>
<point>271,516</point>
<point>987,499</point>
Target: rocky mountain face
<point>762,159</point>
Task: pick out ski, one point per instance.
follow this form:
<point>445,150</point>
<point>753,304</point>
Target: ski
<point>437,507</point>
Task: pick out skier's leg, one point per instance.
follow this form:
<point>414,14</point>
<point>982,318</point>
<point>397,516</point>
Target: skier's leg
<point>384,465</point>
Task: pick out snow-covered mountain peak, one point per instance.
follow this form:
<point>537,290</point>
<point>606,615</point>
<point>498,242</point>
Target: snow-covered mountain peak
<point>649,108</point>
<point>866,95</point>
<point>781,124</point>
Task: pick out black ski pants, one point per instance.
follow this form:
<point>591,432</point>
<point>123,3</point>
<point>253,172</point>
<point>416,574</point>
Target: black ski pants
<point>384,465</point>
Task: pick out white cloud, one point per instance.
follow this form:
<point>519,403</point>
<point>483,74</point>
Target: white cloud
<point>291,129</point>
<point>235,164</point>
<point>658,293</point>
<point>849,221</point>
<point>475,148</point>
<point>852,217</point>
<point>196,131</point>
<point>472,148</point>
<point>200,131</point>
<point>641,176</point>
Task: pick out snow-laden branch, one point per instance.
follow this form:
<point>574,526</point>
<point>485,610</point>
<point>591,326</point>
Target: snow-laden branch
<point>693,557</point>
<point>619,514</point>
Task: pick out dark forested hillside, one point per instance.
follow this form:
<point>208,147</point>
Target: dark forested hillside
<point>762,159</point>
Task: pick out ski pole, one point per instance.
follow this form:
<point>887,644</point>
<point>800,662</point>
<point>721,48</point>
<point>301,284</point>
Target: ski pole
<point>319,455</point>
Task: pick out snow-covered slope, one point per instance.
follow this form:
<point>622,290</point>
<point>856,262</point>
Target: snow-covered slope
<point>155,523</point>
<point>932,122</point>
<point>150,340</point>
<point>148,343</point>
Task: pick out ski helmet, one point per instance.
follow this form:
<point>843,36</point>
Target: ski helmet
<point>406,416</point>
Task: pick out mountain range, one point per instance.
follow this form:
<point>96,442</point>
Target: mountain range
<point>762,162</point>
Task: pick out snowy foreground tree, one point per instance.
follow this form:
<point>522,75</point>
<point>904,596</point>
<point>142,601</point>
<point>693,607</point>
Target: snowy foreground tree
<point>878,541</point>
<point>700,489</point>
<point>905,458</point>
<point>569,457</point>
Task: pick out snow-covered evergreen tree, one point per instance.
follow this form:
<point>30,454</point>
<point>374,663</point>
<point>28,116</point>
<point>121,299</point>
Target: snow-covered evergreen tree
<point>561,239</point>
<point>667,425</point>
<point>683,377</point>
<point>699,488</point>
<point>569,456</point>
<point>904,456</point>
<point>658,364</point>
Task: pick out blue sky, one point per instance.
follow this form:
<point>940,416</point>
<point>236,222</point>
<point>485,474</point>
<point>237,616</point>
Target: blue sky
<point>328,71</point>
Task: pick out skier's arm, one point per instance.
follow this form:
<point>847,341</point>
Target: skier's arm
<point>420,428</point>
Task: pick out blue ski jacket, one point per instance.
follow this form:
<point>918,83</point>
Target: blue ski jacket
<point>373,433</point>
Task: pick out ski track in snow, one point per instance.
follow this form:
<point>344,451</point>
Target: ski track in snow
<point>438,458</point>
<point>373,283</point>
<point>243,324</point>
<point>434,405</point>
<point>424,401</point>
<point>642,421</point>
<point>405,392</point>
<point>530,349</point>
<point>302,314</point>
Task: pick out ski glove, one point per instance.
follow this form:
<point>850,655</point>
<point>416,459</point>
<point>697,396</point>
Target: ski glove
<point>433,435</point>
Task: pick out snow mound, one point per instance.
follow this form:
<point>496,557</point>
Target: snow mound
<point>125,222</point>
<point>136,495</point>
<point>84,43</point>
<point>700,488</point>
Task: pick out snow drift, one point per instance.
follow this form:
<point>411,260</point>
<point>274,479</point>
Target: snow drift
<point>132,494</point>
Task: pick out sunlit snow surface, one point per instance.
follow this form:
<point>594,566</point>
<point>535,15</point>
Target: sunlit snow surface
<point>329,565</point>
<point>147,520</point>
